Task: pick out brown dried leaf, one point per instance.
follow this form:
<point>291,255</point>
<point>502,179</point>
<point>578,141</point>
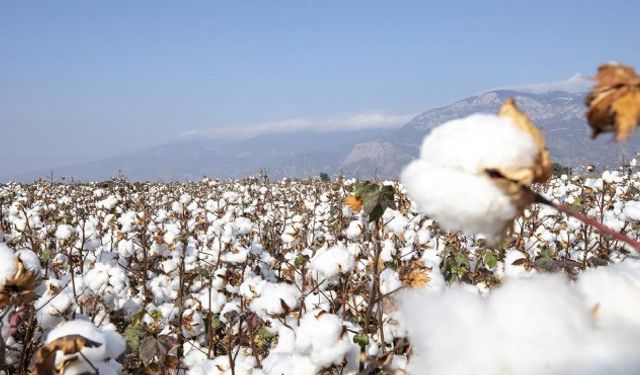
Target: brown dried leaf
<point>416,275</point>
<point>354,202</point>
<point>614,103</point>
<point>43,360</point>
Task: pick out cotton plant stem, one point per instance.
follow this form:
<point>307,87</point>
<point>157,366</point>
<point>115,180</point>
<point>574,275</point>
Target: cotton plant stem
<point>589,221</point>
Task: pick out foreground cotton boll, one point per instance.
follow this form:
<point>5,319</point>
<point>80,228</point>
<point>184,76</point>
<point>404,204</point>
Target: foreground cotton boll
<point>8,264</point>
<point>520,328</point>
<point>104,355</point>
<point>450,181</point>
<point>458,200</point>
<point>613,292</point>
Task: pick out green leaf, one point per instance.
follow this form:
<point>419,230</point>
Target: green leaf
<point>133,334</point>
<point>265,334</point>
<point>215,321</point>
<point>300,261</point>
<point>156,315</point>
<point>490,260</point>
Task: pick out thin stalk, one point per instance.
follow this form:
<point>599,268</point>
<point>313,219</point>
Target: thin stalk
<point>589,221</point>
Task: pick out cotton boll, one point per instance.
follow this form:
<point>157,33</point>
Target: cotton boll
<point>520,328</point>
<point>458,200</point>
<point>398,223</point>
<point>64,232</point>
<point>322,338</point>
<point>111,345</point>
<point>354,230</point>
<point>273,297</point>
<point>330,263</point>
<point>632,210</point>
<point>8,264</point>
<point>389,281</point>
<point>613,292</point>
<point>480,141</point>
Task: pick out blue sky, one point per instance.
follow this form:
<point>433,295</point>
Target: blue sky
<point>82,80</point>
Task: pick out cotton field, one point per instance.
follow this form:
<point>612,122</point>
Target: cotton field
<point>258,277</point>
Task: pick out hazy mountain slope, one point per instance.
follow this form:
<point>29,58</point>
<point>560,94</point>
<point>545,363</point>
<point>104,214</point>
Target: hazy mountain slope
<point>363,154</point>
<point>297,154</point>
<point>560,114</point>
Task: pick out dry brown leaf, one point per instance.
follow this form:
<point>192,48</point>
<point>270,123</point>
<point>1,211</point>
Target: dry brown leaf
<point>353,202</point>
<point>614,103</point>
<point>416,274</point>
<point>43,360</point>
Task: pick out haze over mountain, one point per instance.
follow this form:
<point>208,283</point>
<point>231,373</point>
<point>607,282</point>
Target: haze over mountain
<point>358,153</point>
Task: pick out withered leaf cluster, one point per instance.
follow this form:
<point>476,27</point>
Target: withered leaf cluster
<point>614,103</point>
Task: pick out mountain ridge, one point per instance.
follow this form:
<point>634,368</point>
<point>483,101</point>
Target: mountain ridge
<point>358,153</point>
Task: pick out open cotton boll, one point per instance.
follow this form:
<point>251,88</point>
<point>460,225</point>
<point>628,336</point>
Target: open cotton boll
<point>450,183</point>
<point>329,263</point>
<point>64,231</point>
<point>111,345</point>
<point>632,210</point>
<point>480,141</point>
<point>271,298</point>
<point>30,260</point>
<point>519,328</point>
<point>8,264</point>
<point>613,292</point>
<point>459,201</point>
<point>322,337</point>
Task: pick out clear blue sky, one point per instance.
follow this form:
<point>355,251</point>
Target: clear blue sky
<point>81,80</point>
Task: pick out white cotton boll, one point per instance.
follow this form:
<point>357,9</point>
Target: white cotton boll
<point>458,200</point>
<point>243,225</point>
<point>272,298</point>
<point>329,263</point>
<point>480,141</point>
<point>320,301</point>
<point>64,231</point>
<point>389,281</point>
<point>388,250</point>
<point>514,270</point>
<point>235,256</point>
<point>520,328</point>
<point>112,344</point>
<point>108,203</point>
<point>394,326</point>
<point>322,338</point>
<point>614,292</point>
<point>29,259</point>
<point>398,224</point>
<point>632,210</point>
<point>354,230</point>
<point>288,364</point>
<point>8,264</point>
<point>127,221</point>
<point>211,300</point>
<point>448,181</point>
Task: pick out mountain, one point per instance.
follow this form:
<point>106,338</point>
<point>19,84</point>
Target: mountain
<point>363,153</point>
<point>296,154</point>
<point>559,114</point>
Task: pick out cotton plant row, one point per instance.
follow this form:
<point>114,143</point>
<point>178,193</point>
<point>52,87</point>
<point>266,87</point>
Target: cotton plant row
<point>267,278</point>
<point>341,277</point>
